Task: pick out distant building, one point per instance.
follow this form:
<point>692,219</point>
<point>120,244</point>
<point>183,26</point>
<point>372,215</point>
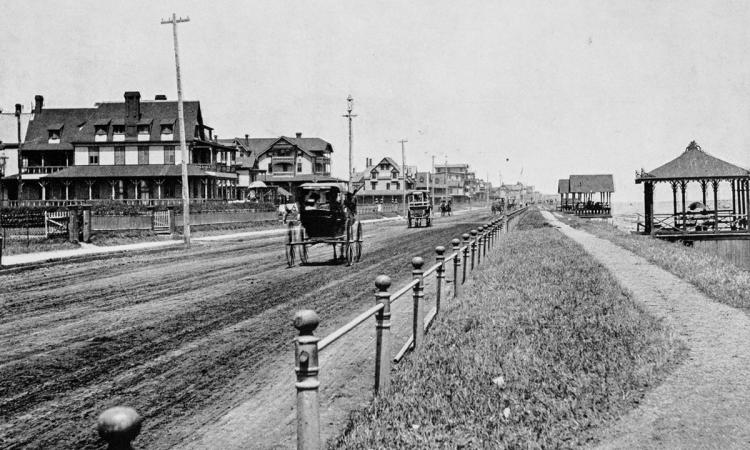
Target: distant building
<point>124,151</point>
<point>291,161</point>
<point>450,182</point>
<point>384,181</point>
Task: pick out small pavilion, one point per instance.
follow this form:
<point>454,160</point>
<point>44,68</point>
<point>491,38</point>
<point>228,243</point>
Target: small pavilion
<point>588,196</point>
<point>697,221</point>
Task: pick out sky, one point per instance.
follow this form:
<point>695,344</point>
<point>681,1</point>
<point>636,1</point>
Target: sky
<point>527,91</point>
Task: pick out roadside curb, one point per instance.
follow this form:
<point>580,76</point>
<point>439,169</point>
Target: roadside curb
<point>105,252</point>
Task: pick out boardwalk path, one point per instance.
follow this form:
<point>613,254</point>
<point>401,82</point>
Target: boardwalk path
<point>705,402</point>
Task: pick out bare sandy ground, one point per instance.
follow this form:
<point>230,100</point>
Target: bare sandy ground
<point>705,402</point>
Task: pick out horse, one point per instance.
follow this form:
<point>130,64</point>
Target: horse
<point>285,209</point>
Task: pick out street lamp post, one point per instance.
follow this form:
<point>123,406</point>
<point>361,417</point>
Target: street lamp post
<point>350,116</point>
<point>19,107</point>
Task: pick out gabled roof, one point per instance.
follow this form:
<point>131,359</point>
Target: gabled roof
<point>78,124</point>
<point>309,146</point>
<point>692,164</point>
<point>563,186</point>
<point>592,183</point>
<point>387,159</point>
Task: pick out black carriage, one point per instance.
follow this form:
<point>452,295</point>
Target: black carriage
<point>327,215</point>
<point>420,209</point>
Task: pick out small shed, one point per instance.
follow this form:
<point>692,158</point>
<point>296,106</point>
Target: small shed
<point>696,165</point>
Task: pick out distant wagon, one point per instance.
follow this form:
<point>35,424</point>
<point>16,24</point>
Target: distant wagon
<point>327,215</point>
<point>420,209</point>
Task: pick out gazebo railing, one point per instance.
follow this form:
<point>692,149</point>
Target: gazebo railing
<point>723,220</point>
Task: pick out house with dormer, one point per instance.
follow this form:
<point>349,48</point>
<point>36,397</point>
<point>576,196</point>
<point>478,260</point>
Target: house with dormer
<point>384,181</point>
<point>288,162</point>
<point>123,151</point>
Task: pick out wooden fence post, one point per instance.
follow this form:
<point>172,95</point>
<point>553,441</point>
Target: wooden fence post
<point>505,223</point>
<point>439,276</point>
<point>119,426</point>
<point>465,237</point>
<point>383,336</point>
<point>487,238</point>
<point>306,367</point>
<point>73,225</point>
<point>473,246</point>
<point>456,244</point>
<point>480,241</point>
<point>418,314</point>
<point>87,224</point>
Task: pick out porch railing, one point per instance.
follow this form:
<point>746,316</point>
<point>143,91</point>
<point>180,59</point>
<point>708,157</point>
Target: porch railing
<point>119,426</point>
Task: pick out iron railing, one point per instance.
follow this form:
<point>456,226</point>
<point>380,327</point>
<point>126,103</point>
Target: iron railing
<point>119,426</point>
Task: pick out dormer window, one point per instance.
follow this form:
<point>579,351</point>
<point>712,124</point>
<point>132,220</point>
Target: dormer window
<point>373,175</point>
<point>118,132</point>
<point>167,130</point>
<point>144,129</point>
<point>101,130</point>
<point>54,132</point>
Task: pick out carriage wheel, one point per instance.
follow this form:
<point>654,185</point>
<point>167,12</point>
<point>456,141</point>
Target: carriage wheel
<point>303,254</point>
<point>290,254</point>
<point>349,253</point>
<point>358,243</point>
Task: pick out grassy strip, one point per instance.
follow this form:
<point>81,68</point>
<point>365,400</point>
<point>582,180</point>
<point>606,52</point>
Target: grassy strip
<point>543,348</point>
<point>715,277</point>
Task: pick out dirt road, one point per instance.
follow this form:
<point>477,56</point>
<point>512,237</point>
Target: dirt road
<point>186,338</point>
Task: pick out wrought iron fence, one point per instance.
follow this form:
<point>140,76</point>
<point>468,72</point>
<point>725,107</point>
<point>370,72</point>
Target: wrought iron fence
<point>119,425</point>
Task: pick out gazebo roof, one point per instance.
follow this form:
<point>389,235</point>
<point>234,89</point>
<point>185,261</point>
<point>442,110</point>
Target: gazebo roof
<point>592,183</point>
<point>693,164</point>
<point>563,186</point>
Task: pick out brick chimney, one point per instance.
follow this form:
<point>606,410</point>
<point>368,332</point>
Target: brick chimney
<point>247,141</point>
<point>299,134</point>
<point>132,106</point>
<point>38,104</point>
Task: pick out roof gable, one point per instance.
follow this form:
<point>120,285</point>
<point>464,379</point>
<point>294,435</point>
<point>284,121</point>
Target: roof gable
<point>694,163</point>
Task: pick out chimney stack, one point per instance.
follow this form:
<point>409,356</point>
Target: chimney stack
<point>299,134</point>
<point>132,106</point>
<point>38,104</point>
<point>247,141</point>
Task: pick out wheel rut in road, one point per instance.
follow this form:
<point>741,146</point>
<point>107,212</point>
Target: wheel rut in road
<point>174,334</point>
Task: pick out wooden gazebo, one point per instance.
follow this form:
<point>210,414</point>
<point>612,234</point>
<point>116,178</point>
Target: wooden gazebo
<point>697,221</point>
<point>592,195</point>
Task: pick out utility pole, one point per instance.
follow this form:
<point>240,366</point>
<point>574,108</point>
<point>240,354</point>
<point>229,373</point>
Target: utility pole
<point>183,146</point>
<point>350,116</point>
<point>403,173</point>
<point>20,160</point>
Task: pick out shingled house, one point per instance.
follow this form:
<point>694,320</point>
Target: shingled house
<point>123,151</point>
<point>291,161</point>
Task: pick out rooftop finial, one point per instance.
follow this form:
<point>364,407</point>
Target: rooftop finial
<point>693,146</point>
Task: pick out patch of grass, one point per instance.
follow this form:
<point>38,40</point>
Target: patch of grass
<point>34,245</point>
<point>543,348</point>
<point>715,277</point>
